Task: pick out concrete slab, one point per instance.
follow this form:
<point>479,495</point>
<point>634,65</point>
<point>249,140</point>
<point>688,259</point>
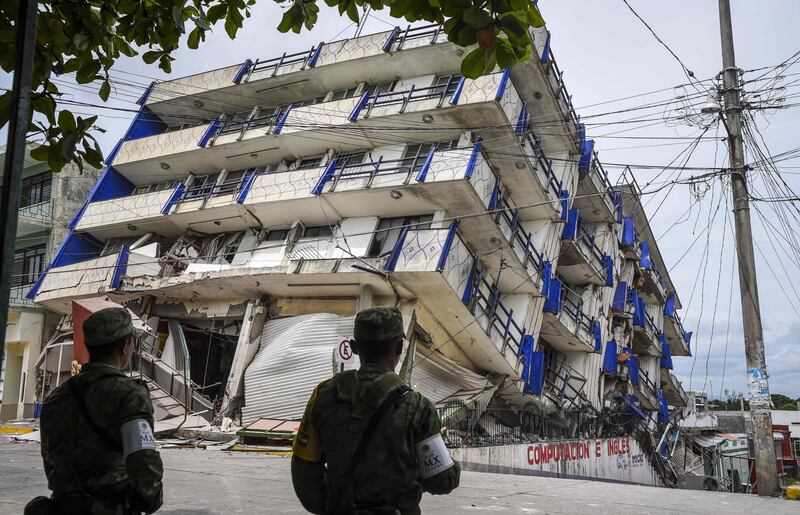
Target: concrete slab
<point>201,482</point>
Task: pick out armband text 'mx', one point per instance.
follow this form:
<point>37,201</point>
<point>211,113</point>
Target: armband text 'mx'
<point>432,456</point>
<point>137,436</point>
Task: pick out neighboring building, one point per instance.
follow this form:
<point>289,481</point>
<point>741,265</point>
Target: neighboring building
<point>48,202</point>
<point>250,211</point>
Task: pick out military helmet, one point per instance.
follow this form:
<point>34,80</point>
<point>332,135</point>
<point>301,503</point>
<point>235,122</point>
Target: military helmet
<point>379,324</point>
<point>106,326</point>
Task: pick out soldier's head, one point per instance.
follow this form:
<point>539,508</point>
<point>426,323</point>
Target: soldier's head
<point>379,335</point>
<point>109,336</point>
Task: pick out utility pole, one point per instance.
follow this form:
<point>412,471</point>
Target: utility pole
<point>757,384</point>
<point>25,26</point>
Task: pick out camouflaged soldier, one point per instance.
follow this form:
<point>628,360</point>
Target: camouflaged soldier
<point>368,443</point>
<point>97,429</point>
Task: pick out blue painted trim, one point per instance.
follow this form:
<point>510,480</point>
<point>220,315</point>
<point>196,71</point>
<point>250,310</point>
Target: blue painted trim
<point>143,99</point>
<point>473,158</point>
<point>669,305</point>
<point>495,195</point>
<point>448,242</point>
<point>564,204</point>
<point>279,126</point>
<point>633,365</point>
<point>246,188</point>
<point>76,247</point>
<point>663,411</point>
<point>547,276</point>
<point>546,52</point>
<point>466,297</point>
<point>423,172</point>
<point>537,373</point>
<point>598,335</point>
<point>209,133</point>
<point>552,303</point>
<point>312,62</point>
<point>120,267</point>
<point>628,231</point>
<point>38,284</point>
<point>620,296</point>
<point>501,89</point>
<point>666,353</point>
<point>522,119</point>
<point>110,185</point>
<point>631,400</point>
<point>525,355</point>
<point>174,198</point>
<point>358,107</point>
<point>587,150</point>
<point>457,92</point>
<point>618,205</point>
<point>688,338</point>
<point>608,262</point>
<point>244,68</point>
<point>387,46</point>
<point>324,178</point>
<point>398,248</point>
<point>644,261</point>
<point>570,230</point>
<point>610,358</point>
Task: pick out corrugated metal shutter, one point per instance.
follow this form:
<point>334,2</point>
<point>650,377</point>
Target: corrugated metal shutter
<point>297,353</point>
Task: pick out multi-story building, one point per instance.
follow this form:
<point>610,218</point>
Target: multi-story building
<point>47,203</point>
<point>250,211</point>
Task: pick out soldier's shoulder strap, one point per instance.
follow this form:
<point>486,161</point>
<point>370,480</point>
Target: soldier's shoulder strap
<point>77,393</point>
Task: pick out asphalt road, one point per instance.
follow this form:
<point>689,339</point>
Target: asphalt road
<point>221,482</point>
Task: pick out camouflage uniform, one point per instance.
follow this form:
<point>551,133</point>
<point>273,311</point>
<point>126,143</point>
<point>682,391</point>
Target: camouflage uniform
<point>79,460</point>
<point>387,479</point>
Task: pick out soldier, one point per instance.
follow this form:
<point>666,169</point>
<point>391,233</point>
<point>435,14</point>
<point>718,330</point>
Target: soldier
<point>97,430</point>
<point>379,439</point>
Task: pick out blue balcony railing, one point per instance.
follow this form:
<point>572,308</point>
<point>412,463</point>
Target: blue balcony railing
<point>483,301</point>
<point>441,93</point>
<point>297,61</point>
<point>540,161</point>
<point>589,241</point>
<point>507,218</point>
<point>243,125</point>
<point>400,38</point>
<point>556,81</point>
<point>407,166</point>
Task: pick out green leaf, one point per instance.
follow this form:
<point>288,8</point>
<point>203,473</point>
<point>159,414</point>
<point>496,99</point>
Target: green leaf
<point>477,17</point>
<point>123,47</point>
<point>194,38</point>
<point>66,122</point>
<point>81,42</point>
<point>216,13</point>
<point>472,65</point>
<point>105,91</point>
<point>45,105</point>
<point>230,27</point>
<point>54,159</point>
<point>504,53</point>
<point>87,72</point>
<point>40,153</point>
<point>352,12</point>
<point>535,17</point>
<point>150,56</point>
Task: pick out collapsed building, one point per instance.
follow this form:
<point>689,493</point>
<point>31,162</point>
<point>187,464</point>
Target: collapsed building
<point>250,211</point>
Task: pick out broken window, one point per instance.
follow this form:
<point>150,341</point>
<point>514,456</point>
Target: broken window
<point>277,235</point>
<point>307,163</point>
<point>114,245</point>
<point>445,84</point>
<point>319,231</point>
<point>232,182</point>
<point>389,229</point>
<point>200,186</point>
<point>381,87</point>
<point>222,248</point>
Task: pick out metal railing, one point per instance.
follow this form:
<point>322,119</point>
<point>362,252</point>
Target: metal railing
<point>40,213</point>
<point>407,165</point>
<point>597,169</point>
<point>17,296</point>
<point>560,91</point>
<point>588,240</point>
<point>575,311</point>
<point>540,162</point>
<point>241,126</point>
<point>647,386</point>
<point>442,92</point>
<point>500,426</point>
<point>484,301</point>
<point>304,59</point>
<point>559,380</point>
<point>518,237</point>
<point>400,38</point>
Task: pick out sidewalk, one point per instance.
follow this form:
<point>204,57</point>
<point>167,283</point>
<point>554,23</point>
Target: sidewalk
<point>222,482</point>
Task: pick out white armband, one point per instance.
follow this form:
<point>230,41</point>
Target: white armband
<point>137,436</point>
<point>432,456</point>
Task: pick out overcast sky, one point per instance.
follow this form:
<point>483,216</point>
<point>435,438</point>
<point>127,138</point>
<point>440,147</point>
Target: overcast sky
<point>607,54</point>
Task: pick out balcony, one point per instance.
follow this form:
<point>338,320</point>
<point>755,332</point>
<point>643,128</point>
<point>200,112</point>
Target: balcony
<point>287,78</point>
<point>581,261</point>
<point>629,239</point>
<point>673,389</point>
<point>653,289</point>
<point>678,339</point>
<point>646,336</point>
<point>565,326</point>
<point>594,199</point>
<point>17,297</point>
<point>35,218</point>
<point>643,387</point>
<point>541,83</point>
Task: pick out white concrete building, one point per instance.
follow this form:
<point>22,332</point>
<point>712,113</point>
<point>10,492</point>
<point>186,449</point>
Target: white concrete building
<point>47,202</point>
<point>250,211</point>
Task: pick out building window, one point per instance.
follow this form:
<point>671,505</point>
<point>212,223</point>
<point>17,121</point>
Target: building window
<point>277,235</point>
<point>201,186</point>
<point>28,264</point>
<point>350,159</point>
<point>341,94</point>
<point>319,231</point>
<point>36,189</point>
<point>381,87</point>
<point>158,186</point>
<point>308,163</point>
<point>389,230</point>
<point>445,84</point>
<point>232,182</point>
